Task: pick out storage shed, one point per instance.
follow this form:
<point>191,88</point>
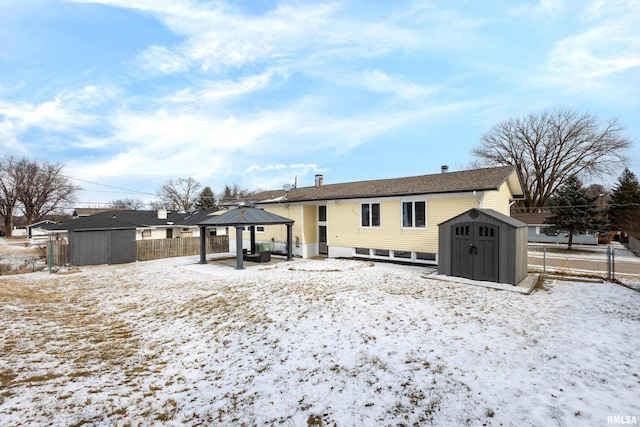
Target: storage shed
<point>95,247</point>
<point>482,244</point>
<point>95,240</point>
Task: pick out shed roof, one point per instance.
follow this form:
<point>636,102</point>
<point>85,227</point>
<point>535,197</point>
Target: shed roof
<point>450,182</point>
<point>245,215</point>
<point>493,214</point>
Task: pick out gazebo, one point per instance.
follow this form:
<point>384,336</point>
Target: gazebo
<point>246,215</point>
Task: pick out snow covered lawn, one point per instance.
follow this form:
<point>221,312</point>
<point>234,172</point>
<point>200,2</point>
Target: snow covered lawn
<point>311,342</point>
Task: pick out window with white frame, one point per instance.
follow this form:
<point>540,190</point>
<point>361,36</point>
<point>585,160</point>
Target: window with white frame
<point>370,214</point>
<point>414,214</point>
<point>322,213</point>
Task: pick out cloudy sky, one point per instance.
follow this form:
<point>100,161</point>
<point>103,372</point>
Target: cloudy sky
<point>131,93</point>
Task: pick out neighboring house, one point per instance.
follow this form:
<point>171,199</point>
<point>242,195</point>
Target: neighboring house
<point>148,224</point>
<point>35,230</point>
<point>393,219</point>
<point>540,231</point>
<point>81,212</point>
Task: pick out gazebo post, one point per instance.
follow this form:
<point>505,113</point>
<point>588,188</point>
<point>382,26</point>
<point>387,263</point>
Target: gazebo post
<point>289,242</point>
<point>252,232</point>
<point>239,258</point>
<point>203,245</point>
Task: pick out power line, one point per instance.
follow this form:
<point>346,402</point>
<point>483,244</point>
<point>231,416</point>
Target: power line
<point>126,190</point>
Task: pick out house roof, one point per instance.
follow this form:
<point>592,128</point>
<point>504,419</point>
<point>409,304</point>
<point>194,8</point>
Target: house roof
<point>40,224</point>
<point>77,212</point>
<point>450,182</point>
<point>90,223</point>
<point>532,218</point>
<point>246,215</point>
<point>129,219</point>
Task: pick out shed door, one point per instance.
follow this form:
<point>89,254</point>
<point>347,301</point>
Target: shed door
<point>474,252</point>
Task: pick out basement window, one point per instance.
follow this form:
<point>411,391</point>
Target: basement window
<point>381,252</point>
<point>402,254</point>
<point>426,256</point>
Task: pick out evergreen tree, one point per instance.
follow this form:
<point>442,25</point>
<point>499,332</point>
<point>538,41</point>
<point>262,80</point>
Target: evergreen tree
<point>206,200</point>
<point>574,210</point>
<point>624,209</point>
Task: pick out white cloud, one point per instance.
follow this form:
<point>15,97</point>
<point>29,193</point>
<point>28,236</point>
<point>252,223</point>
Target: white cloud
<point>379,81</point>
<point>599,9</point>
<point>212,91</point>
<point>161,60</point>
<point>274,176</point>
<point>67,114</point>
<point>217,36</point>
<point>591,60</point>
<point>543,9</point>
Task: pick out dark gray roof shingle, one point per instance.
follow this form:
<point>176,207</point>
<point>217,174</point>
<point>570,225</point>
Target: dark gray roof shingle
<point>246,215</point>
<point>129,219</point>
<point>451,182</point>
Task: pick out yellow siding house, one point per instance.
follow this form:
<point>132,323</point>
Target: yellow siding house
<point>392,219</point>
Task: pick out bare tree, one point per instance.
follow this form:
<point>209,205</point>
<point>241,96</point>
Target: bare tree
<point>178,195</point>
<point>37,189</point>
<point>232,193</point>
<point>550,147</point>
<point>42,188</point>
<point>126,204</point>
<point>8,193</point>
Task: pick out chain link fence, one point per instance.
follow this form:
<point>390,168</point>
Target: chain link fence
<point>611,262</point>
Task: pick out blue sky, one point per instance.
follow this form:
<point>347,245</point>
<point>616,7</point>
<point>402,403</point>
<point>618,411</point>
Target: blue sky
<point>131,93</point>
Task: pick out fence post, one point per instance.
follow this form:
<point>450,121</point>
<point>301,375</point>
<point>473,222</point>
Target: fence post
<point>50,255</point>
<point>544,259</point>
<point>613,264</point>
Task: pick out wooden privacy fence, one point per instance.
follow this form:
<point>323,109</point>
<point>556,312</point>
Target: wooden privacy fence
<point>153,248</point>
<point>634,245</point>
<point>59,253</point>
<point>183,246</point>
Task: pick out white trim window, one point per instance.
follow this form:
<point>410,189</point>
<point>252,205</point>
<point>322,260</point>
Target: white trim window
<point>370,214</point>
<point>414,214</point>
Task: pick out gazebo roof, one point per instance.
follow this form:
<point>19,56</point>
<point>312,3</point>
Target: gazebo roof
<point>247,214</point>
